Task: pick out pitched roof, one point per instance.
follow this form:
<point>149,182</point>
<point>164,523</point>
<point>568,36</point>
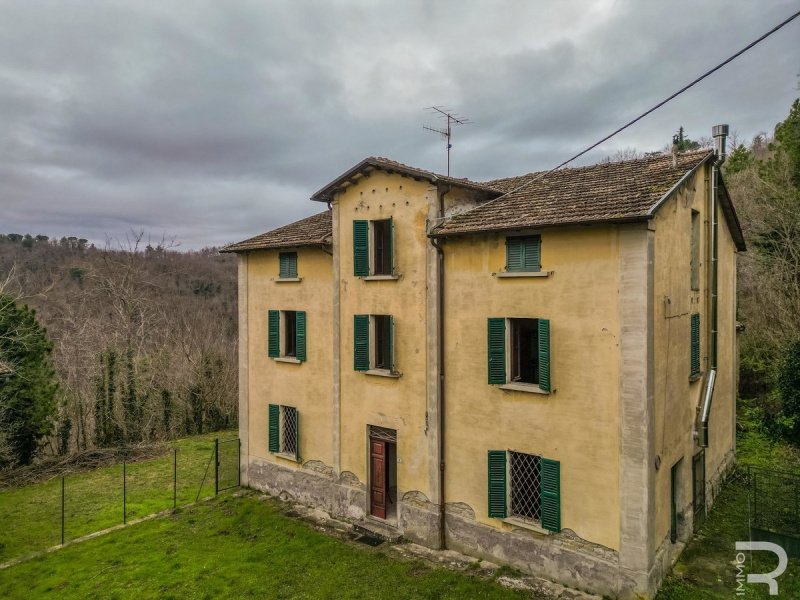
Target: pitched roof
<point>311,231</point>
<point>391,166</point>
<point>607,192</point>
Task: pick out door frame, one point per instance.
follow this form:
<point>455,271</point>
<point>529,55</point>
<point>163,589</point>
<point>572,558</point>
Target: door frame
<point>389,436</point>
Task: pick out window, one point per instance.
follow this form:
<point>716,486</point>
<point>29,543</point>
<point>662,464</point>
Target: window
<point>373,342</point>
<point>695,250</point>
<point>521,356</point>
<point>523,254</point>
<point>695,346</point>
<point>284,430</point>
<point>292,344</point>
<point>373,248</point>
<point>288,265</point>
<point>525,486</point>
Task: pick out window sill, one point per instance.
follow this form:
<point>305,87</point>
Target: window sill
<point>287,359</point>
<point>286,456</point>
<point>288,280</point>
<point>506,274</point>
<point>383,373</point>
<point>381,278</point>
<point>530,388</point>
<point>526,525</point>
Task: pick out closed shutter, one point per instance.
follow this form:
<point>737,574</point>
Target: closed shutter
<point>361,342</point>
<point>391,344</point>
<point>497,350</point>
<point>274,333</point>
<point>695,350</point>
<point>274,428</point>
<point>300,335</point>
<point>544,354</point>
<point>551,494</point>
<point>361,248</point>
<point>530,253</point>
<point>497,483</point>
<point>513,254</point>
<point>288,265</point>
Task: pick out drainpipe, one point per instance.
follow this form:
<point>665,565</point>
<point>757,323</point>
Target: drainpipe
<point>720,134</point>
<point>440,348</point>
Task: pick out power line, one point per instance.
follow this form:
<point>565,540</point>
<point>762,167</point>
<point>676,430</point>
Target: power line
<point>657,106</point>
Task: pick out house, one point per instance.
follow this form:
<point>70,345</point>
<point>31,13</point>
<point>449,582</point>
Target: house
<point>521,369</point>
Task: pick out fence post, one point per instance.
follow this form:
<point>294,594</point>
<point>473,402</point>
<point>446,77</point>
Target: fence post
<point>175,479</point>
<point>62,510</point>
<point>216,466</point>
<point>124,493</point>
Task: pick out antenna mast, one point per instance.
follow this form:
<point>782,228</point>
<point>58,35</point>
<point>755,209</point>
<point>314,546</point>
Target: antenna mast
<point>452,120</point>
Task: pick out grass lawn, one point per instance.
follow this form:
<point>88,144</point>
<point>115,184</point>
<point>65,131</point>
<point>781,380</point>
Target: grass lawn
<point>234,548</point>
<point>31,515</point>
<point>706,569</point>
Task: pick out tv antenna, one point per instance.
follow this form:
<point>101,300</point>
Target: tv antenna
<point>452,120</point>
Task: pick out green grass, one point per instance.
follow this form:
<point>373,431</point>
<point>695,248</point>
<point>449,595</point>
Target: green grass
<point>31,516</point>
<point>234,548</point>
<point>706,569</point>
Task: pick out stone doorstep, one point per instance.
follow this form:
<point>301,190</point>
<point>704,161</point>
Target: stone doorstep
<point>377,529</point>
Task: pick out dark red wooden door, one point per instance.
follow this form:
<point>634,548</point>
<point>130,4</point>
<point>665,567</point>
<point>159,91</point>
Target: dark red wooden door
<point>378,472</point>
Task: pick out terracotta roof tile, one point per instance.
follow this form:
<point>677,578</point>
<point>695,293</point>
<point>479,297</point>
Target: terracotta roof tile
<point>606,192</point>
<point>311,231</point>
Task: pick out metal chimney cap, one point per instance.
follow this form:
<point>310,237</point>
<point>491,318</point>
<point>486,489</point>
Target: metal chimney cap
<point>719,130</point>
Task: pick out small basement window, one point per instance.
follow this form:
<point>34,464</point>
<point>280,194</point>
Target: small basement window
<point>284,430</point>
<point>524,350</point>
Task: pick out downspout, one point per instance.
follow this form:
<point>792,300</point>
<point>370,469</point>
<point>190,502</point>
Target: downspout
<point>440,192</point>
<point>720,134</point>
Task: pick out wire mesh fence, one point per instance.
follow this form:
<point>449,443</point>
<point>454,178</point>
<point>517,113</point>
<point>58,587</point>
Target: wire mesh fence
<point>774,500</point>
<point>53,512</point>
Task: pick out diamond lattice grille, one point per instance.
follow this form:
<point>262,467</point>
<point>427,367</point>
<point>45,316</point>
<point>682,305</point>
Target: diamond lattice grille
<point>526,488</point>
<point>289,441</point>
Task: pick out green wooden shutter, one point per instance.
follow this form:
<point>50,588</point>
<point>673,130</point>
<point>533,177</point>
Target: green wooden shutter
<point>531,250</point>
<point>361,248</point>
<point>297,435</point>
<point>497,350</point>
<point>544,354</point>
<point>274,428</point>
<point>274,334</point>
<point>300,335</point>
<point>551,494</point>
<point>391,344</point>
<point>288,265</point>
<point>361,342</point>
<point>497,483</point>
<point>513,255</point>
<point>695,345</point>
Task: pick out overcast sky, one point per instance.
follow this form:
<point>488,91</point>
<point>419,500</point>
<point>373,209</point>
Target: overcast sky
<point>213,121</point>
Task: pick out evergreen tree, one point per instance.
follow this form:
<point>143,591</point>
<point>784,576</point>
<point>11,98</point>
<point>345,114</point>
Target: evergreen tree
<point>28,395</point>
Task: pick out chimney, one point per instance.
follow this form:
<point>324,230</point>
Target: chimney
<point>674,151</point>
<point>720,135</point>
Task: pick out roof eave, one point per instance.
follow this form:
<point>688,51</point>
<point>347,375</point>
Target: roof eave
<point>232,248</point>
<point>586,223</point>
<point>688,175</point>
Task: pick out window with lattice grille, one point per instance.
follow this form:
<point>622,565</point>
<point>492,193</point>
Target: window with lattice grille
<point>288,430</point>
<point>284,430</point>
<point>526,485</point>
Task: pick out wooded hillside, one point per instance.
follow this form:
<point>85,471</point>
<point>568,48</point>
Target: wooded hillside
<point>144,338</point>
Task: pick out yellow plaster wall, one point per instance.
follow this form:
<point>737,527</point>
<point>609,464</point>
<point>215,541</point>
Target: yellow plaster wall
<point>676,397</point>
<point>577,424</point>
<point>306,386</point>
<point>399,403</point>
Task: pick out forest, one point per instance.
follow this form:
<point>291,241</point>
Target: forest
<point>126,344</point>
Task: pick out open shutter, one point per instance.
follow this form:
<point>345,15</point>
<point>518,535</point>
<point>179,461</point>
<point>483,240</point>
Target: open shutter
<point>513,254</point>
<point>297,435</point>
<point>695,351</point>
<point>391,344</point>
<point>497,350</point>
<point>531,254</point>
<point>361,342</point>
<point>551,494</point>
<point>300,335</point>
<point>497,483</point>
<point>274,428</point>
<point>544,354</point>
<point>273,333</point>
<point>361,248</point>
